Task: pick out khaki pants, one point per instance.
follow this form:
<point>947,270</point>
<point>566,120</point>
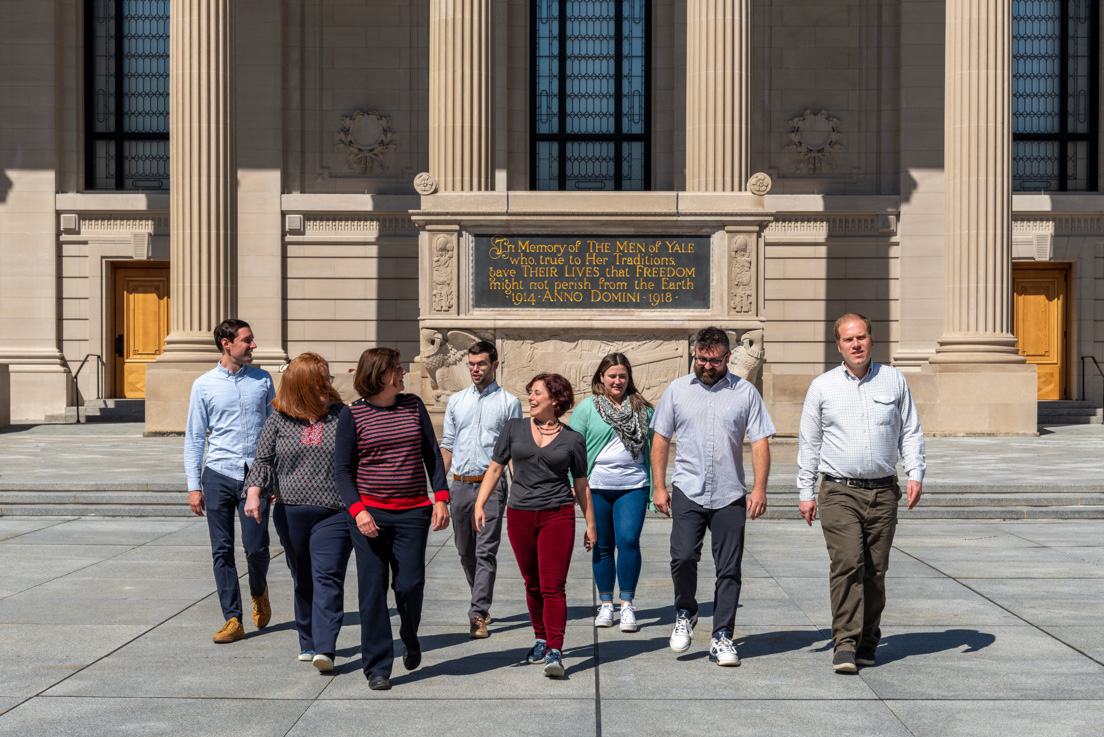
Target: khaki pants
<point>858,527</point>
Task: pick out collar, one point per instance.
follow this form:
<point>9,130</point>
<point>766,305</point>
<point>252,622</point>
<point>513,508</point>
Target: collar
<point>727,381</point>
<point>491,389</point>
<point>870,372</point>
<point>223,371</point>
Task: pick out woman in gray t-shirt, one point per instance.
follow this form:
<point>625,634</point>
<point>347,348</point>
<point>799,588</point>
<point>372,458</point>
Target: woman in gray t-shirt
<point>540,513</point>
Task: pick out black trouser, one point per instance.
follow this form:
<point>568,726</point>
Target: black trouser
<point>398,552</point>
<point>223,499</point>
<point>726,527</point>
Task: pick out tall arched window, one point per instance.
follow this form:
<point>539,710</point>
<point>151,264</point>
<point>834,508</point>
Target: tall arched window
<point>1055,95</point>
<point>126,70</point>
<point>590,105</point>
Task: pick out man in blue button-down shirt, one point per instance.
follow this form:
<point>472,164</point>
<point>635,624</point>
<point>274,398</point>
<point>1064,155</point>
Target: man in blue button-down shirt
<point>232,402</point>
<point>473,420</point>
<point>709,411</point>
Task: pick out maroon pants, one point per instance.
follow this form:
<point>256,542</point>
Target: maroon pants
<point>542,543</point>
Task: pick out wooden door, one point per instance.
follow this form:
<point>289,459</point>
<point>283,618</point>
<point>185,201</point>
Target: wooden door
<point>1039,313</point>
<point>141,324</point>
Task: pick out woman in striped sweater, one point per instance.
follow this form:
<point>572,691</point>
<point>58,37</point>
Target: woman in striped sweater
<point>385,446</point>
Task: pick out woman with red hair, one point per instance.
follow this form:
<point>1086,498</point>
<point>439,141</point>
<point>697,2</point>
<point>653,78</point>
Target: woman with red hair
<point>294,461</point>
<point>540,513</point>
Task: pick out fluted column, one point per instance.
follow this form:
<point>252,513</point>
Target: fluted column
<point>977,164</point>
<point>718,76</point>
<point>461,154</point>
<point>203,173</point>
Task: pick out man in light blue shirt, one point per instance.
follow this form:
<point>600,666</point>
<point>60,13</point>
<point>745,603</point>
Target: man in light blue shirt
<point>473,420</point>
<point>856,419</point>
<point>709,412</point>
<point>231,402</point>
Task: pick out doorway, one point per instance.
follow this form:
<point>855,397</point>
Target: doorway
<point>141,324</point>
<point>1041,320</point>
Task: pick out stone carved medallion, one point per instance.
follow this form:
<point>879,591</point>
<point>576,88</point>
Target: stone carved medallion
<point>759,184</point>
<point>366,137</point>
<point>444,357</point>
<point>741,293</point>
<point>815,138</point>
<point>655,362</point>
<point>444,254</point>
<point>425,183</point>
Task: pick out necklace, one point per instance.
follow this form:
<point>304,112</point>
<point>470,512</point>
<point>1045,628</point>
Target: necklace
<point>541,428</point>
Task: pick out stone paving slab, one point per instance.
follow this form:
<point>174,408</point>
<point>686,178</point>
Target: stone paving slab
<point>114,619</point>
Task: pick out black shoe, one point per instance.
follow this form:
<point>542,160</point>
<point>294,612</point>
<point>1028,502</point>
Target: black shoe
<point>411,658</point>
<point>379,683</point>
<point>865,656</point>
<point>844,662</point>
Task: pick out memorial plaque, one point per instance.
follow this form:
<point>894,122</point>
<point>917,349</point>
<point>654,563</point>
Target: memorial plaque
<point>591,272</point>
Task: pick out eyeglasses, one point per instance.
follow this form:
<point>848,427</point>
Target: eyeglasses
<point>714,362</point>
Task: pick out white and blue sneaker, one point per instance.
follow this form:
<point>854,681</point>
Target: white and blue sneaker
<point>553,664</point>
<point>684,631</point>
<point>536,653</point>
<point>306,656</point>
<point>722,651</point>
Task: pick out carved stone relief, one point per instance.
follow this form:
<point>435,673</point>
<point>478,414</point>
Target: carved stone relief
<point>742,290</point>
<point>747,356</point>
<point>425,183</point>
<point>366,137</point>
<point>815,138</point>
<point>655,362</point>
<point>759,184</point>
<point>443,356</point>
<point>443,249</point>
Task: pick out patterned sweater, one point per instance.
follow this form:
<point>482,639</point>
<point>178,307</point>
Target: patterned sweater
<point>382,455</point>
<point>295,460</point>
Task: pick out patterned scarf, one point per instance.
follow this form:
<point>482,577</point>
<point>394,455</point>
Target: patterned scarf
<point>631,427</point>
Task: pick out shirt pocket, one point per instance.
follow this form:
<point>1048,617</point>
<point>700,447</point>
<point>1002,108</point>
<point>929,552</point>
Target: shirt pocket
<point>884,410</point>
<point>734,420</point>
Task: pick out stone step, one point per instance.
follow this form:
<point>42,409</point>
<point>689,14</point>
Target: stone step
<point>94,510</point>
<point>1008,512</point>
<point>102,410</point>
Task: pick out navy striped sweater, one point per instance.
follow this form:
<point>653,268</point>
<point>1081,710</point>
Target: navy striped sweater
<point>382,456</point>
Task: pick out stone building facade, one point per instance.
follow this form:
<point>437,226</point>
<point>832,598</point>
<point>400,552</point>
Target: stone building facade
<point>332,171</point>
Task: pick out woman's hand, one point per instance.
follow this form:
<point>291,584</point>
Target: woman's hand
<point>366,524</point>
<point>590,539</point>
<point>479,519</point>
<point>440,516</point>
<point>253,503</point>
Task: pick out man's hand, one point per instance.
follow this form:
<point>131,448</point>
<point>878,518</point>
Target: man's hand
<point>662,500</point>
<point>366,524</point>
<point>757,503</point>
<point>440,516</point>
<point>808,510</point>
<point>914,491</point>
<point>196,502</point>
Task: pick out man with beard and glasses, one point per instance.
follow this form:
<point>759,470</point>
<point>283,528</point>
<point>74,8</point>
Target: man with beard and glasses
<point>709,412</point>
<point>473,420</point>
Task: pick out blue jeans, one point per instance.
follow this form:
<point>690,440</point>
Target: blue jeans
<point>619,517</point>
<point>224,501</point>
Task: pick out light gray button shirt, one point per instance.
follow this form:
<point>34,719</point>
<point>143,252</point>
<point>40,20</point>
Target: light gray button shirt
<point>855,429</point>
<point>473,420</point>
<point>709,424</point>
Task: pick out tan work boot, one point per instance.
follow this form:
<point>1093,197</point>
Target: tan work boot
<point>478,627</point>
<point>232,631</point>
<point>262,611</point>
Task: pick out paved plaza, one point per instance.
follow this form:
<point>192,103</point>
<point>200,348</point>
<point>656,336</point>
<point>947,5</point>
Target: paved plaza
<point>993,628</point>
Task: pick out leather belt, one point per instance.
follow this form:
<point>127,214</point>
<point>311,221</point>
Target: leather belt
<point>881,483</point>
<point>469,479</point>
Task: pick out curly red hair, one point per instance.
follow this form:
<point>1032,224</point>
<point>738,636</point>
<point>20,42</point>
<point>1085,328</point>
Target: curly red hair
<point>559,389</point>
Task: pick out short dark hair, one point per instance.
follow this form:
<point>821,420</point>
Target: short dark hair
<point>849,317</point>
<point>484,346</point>
<point>711,337</point>
<point>228,329</point>
<point>559,389</point>
<point>373,364</point>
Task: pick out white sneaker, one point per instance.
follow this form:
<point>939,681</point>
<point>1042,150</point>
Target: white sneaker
<point>722,651</point>
<point>684,631</point>
<point>324,663</point>
<point>628,618</point>
<point>605,615</point>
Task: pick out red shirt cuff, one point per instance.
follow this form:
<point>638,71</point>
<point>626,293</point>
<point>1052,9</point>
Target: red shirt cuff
<point>356,509</point>
<point>441,496</point>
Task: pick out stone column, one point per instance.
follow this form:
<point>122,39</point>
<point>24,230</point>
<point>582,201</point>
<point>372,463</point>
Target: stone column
<point>983,385</point>
<point>202,202</point>
<point>461,95</point>
<point>978,171</point>
<point>718,78</point>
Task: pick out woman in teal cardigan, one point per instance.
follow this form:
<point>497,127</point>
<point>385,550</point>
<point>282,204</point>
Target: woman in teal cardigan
<point>615,421</point>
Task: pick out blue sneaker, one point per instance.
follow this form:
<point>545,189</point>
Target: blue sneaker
<point>553,664</point>
<point>536,653</point>
<point>306,656</point>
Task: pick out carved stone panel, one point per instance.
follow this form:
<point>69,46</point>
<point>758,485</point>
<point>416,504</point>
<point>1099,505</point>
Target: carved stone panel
<point>444,358</point>
<point>442,248</point>
<point>742,281</point>
<point>747,356</point>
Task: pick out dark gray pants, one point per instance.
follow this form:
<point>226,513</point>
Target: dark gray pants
<point>726,528</point>
<point>478,550</point>
<point>224,501</point>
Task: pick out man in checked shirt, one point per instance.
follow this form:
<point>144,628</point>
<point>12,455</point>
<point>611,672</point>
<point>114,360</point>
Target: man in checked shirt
<point>856,419</point>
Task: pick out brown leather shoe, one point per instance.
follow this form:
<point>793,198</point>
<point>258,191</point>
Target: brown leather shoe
<point>262,611</point>
<point>478,628</point>
<point>232,631</point>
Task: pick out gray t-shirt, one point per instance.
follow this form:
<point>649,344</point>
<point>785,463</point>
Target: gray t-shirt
<point>541,479</point>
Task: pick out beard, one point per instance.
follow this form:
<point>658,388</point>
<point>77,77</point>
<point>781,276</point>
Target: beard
<point>709,376</point>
